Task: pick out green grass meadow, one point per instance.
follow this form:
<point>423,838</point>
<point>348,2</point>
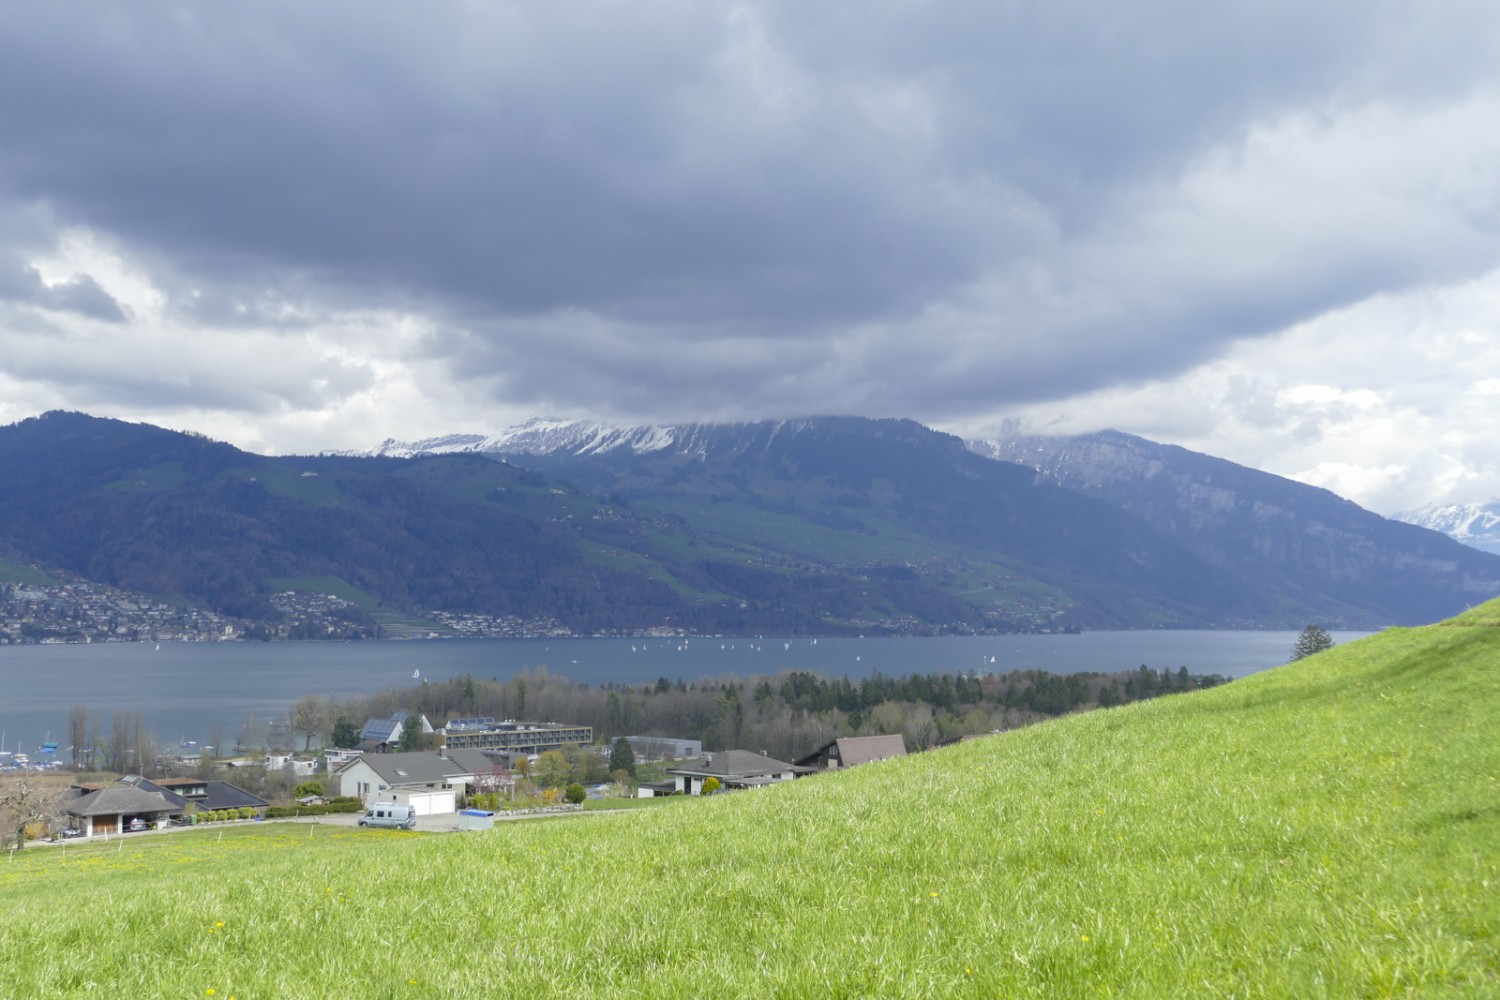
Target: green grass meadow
<point>1326,829</point>
<point>14,572</point>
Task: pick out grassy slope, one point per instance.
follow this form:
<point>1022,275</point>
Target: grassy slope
<point>14,572</point>
<point>1329,829</point>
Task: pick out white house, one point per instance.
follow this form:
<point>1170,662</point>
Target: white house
<point>302,767</point>
<point>429,781</point>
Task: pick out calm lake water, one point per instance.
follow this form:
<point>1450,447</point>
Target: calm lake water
<point>187,690</point>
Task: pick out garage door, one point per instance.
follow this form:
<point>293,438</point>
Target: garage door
<point>431,803</point>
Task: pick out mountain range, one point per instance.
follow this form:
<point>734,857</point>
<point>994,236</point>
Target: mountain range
<point>1475,524</point>
<point>823,525</point>
<point>1292,546</point>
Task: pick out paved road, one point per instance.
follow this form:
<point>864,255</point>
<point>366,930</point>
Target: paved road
<point>440,823</point>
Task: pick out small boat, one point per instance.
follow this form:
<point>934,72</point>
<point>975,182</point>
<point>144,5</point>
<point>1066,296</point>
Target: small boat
<point>415,674</point>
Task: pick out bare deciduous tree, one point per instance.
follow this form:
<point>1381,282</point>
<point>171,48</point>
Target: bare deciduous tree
<point>26,800</point>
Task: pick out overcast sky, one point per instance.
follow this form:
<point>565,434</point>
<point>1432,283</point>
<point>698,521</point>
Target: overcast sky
<point>1265,230</point>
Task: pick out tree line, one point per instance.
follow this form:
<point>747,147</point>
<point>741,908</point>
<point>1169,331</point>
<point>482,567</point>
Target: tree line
<point>786,716</point>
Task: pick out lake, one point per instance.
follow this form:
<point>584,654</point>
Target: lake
<point>188,690</point>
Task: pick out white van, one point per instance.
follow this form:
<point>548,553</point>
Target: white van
<point>390,814</point>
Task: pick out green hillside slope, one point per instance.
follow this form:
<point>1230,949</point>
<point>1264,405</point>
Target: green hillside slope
<point>1327,829</point>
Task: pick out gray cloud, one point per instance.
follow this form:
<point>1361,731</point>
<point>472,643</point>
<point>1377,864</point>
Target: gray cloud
<point>80,294</point>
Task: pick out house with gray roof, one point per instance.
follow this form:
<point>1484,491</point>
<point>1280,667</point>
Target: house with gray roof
<point>734,769</point>
<point>191,795</point>
<point>119,808</point>
<point>371,776</point>
<point>851,751</point>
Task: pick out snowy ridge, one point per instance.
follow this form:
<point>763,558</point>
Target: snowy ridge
<point>1477,525</point>
<point>551,436</point>
<point>391,448</point>
<point>545,436</point>
<point>535,436</point>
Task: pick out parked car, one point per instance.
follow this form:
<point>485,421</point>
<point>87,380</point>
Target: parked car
<point>136,825</point>
<point>389,814</point>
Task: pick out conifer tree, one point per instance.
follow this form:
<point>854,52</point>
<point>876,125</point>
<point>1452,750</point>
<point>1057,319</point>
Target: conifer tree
<point>622,757</point>
<point>1313,639</point>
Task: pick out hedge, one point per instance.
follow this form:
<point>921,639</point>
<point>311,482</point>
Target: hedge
<point>336,806</point>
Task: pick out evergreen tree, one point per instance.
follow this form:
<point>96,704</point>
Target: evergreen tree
<point>412,737</point>
<point>622,757</point>
<point>1313,639</point>
<point>345,733</point>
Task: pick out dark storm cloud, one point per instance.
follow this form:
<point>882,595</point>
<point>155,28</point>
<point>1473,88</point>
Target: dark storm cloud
<point>547,167</point>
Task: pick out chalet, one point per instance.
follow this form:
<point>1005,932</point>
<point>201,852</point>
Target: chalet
<point>851,751</point>
<point>734,769</point>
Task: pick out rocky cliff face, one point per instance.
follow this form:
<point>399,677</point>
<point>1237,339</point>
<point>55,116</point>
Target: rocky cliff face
<point>1326,551</point>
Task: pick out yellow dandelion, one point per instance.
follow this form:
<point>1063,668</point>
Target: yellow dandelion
<point>209,992</point>
<point>1085,937</point>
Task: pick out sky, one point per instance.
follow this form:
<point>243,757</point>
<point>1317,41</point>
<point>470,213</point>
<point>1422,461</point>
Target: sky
<point>1264,230</point>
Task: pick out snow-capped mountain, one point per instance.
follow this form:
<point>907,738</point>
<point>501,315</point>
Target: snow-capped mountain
<point>583,438</point>
<point>535,436</point>
<point>1477,525</point>
<point>1212,541</point>
<point>391,448</point>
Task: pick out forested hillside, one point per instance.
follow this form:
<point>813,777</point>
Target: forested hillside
<point>830,525</point>
<point>1329,555</point>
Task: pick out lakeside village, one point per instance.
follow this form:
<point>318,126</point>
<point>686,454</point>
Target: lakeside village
<point>91,612</point>
<point>461,775</point>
